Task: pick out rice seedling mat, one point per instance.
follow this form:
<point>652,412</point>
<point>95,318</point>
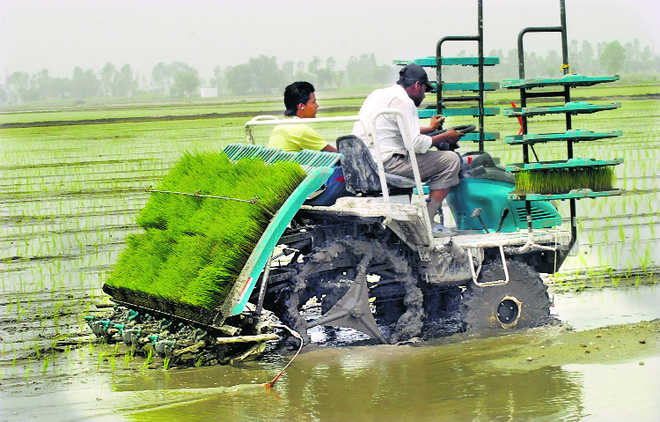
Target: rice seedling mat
<point>575,135</point>
<point>570,80</point>
<point>562,177</point>
<point>573,107</point>
<point>193,250</point>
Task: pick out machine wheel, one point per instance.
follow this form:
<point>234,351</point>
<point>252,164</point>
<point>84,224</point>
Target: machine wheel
<point>331,275</point>
<point>522,303</point>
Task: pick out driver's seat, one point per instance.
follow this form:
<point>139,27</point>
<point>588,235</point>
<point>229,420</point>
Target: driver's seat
<point>361,172</point>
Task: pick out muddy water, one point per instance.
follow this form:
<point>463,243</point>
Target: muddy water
<point>599,371</point>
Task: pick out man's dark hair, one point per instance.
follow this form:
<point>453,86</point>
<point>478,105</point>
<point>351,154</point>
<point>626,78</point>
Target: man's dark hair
<point>296,93</point>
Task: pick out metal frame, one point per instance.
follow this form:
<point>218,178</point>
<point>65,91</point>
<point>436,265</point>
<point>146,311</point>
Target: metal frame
<point>479,38</point>
<point>566,93</point>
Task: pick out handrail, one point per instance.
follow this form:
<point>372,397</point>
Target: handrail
<point>266,120</point>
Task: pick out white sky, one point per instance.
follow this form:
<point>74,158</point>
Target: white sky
<point>58,35</point>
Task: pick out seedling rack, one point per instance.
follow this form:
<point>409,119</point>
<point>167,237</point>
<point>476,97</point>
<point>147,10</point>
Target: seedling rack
<point>476,90</point>
<point>570,136</point>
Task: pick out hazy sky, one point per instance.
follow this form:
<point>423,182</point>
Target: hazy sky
<point>58,35</point>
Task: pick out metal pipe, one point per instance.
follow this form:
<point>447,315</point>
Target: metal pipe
<point>271,120</point>
<point>480,42</point>
<point>264,284</point>
<point>438,62</point>
<point>521,34</point>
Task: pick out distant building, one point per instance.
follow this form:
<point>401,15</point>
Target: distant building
<point>208,92</point>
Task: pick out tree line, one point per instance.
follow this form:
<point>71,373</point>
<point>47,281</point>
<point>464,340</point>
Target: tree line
<point>263,75</point>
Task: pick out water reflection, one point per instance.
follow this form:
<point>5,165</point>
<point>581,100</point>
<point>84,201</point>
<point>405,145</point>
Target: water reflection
<point>442,382</point>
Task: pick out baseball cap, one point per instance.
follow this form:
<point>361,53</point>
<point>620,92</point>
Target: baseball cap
<point>414,72</point>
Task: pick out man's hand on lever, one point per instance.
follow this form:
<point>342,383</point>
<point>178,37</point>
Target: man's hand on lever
<point>447,139</point>
<point>435,123</point>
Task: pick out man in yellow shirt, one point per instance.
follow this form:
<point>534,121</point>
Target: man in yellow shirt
<point>300,102</point>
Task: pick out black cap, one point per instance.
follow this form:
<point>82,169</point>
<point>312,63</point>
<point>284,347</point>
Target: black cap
<point>413,73</point>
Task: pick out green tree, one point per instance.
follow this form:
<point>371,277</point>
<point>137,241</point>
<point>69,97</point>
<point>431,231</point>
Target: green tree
<point>239,79</point>
<point>612,57</point>
<point>587,60</point>
<point>18,85</point>
<point>108,77</point>
<point>160,75</point>
<point>218,80</point>
<point>4,95</point>
<point>266,74</point>
<point>125,83</point>
<point>185,80</point>
<point>84,83</point>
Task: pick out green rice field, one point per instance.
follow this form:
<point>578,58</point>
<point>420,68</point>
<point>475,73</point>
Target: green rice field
<point>71,195</point>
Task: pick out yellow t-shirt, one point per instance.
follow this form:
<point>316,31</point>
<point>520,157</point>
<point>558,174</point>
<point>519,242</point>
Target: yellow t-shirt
<point>295,138</point>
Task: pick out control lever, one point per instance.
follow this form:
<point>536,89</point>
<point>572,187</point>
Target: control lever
<point>477,213</point>
<point>505,212</point>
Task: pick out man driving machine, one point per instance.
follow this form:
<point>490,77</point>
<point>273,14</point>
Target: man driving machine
<point>439,167</point>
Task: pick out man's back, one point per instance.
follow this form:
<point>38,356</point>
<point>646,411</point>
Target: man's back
<point>388,131</point>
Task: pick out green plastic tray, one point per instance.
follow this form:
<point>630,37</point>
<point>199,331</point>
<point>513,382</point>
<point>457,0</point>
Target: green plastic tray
<point>307,159</point>
<point>468,86</point>
<point>449,61</point>
<point>575,194</point>
<point>571,107</point>
<point>570,80</point>
<point>575,135</point>
<point>458,111</point>
<point>553,165</point>
<point>474,136</point>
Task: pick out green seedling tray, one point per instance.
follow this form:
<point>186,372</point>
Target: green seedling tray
<point>307,159</point>
<point>556,165</point>
<point>458,111</point>
<point>571,108</point>
<point>474,136</point>
<point>570,80</point>
<point>575,135</point>
<point>574,194</point>
<point>466,86</point>
<point>431,61</point>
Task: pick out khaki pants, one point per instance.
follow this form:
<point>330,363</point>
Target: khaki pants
<point>438,168</point>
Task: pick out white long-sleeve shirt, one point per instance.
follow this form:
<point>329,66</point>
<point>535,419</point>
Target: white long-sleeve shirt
<point>389,129</point>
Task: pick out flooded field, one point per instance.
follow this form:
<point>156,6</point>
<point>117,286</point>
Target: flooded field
<point>70,195</point>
